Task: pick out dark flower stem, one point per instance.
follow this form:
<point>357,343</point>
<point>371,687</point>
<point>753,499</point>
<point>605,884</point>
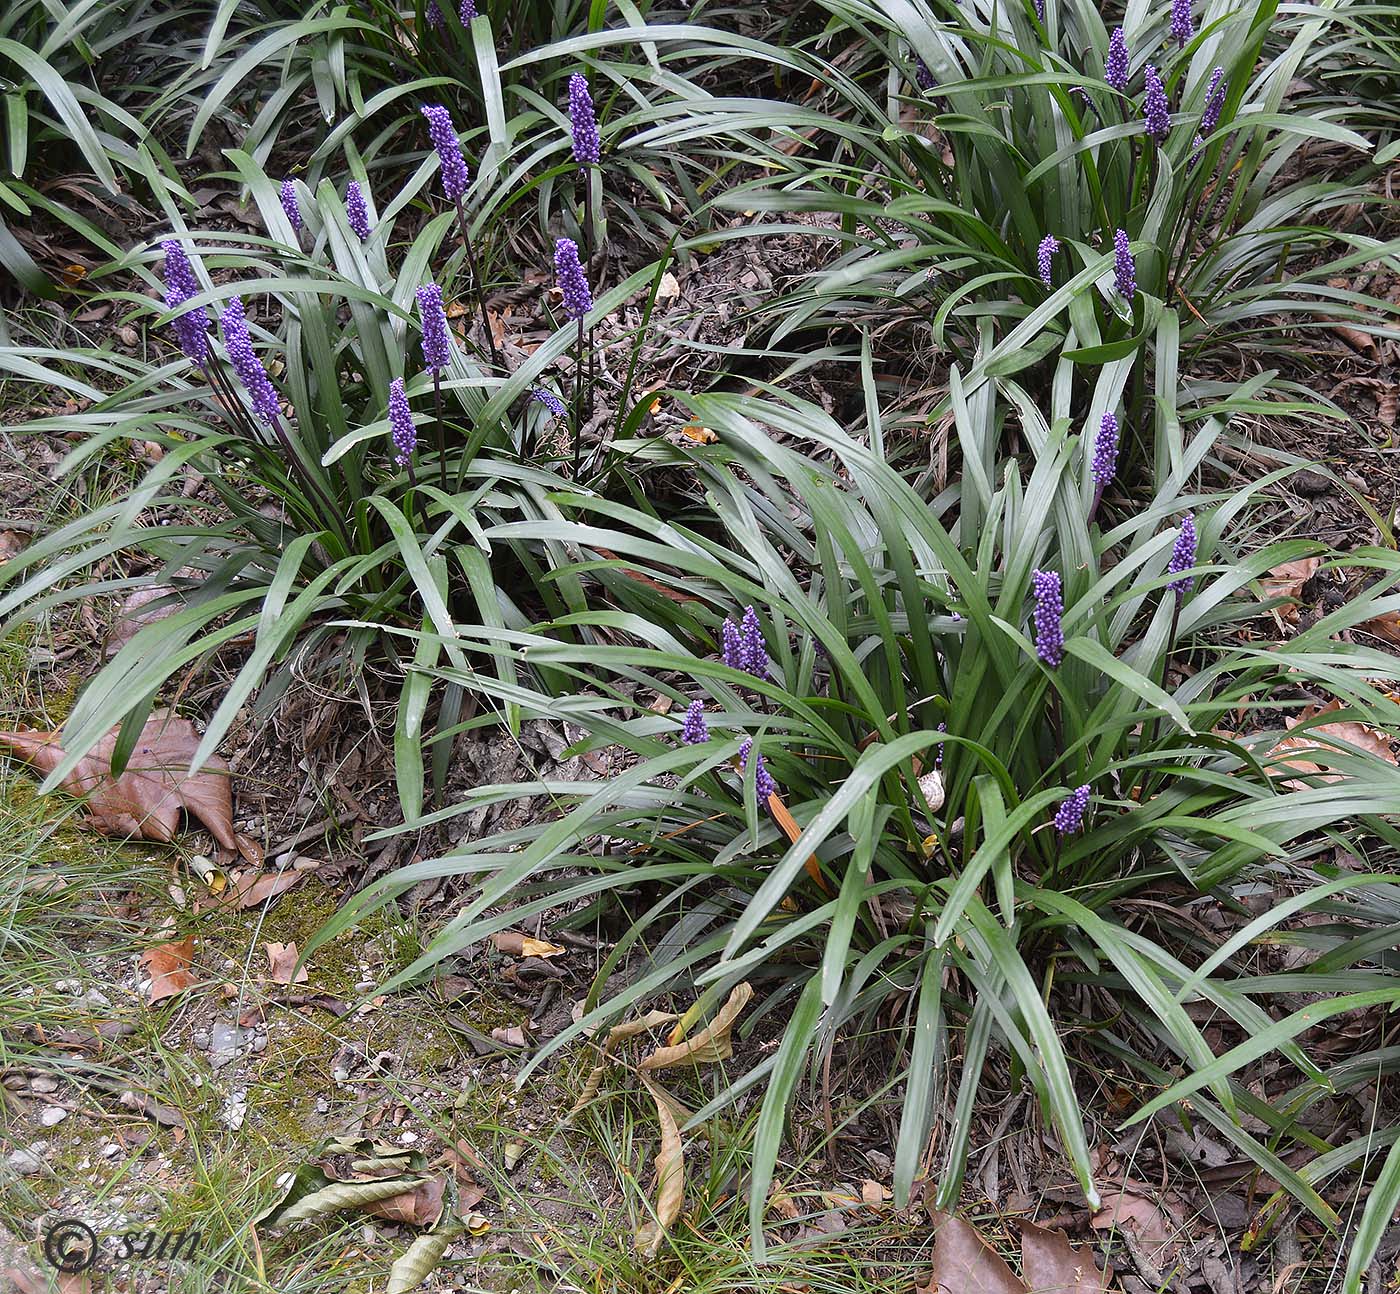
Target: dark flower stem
<point>578,398</point>
<point>476,283</point>
<point>309,480</point>
<point>441,430</point>
<point>411,499</point>
<point>1094,506</point>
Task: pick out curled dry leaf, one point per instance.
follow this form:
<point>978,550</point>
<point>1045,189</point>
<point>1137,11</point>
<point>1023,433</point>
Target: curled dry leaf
<point>146,800</point>
<point>255,888</point>
<point>169,968</point>
<point>282,963</point>
<point>1289,751</point>
<point>618,1033</point>
<point>420,1206</point>
<point>1287,581</point>
<point>1386,628</point>
<point>1156,1227</point>
<point>515,944</point>
<point>713,1043</point>
<point>512,1035</point>
<point>670,1177</point>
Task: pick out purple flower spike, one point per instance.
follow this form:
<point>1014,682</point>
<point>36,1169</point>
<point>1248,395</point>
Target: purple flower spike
<point>356,212</point>
<point>583,123</point>
<point>1124,271</point>
<point>1105,450</point>
<point>1115,68</point>
<point>1049,245</point>
<point>763,783</point>
<point>1182,29</point>
<point>1215,101</point>
<point>1049,611</point>
<point>923,78</point>
<point>550,401</point>
<point>467,12</point>
<point>1156,110</point>
<point>288,194</point>
<point>245,363</point>
<point>755,655</point>
<point>1069,816</point>
<point>573,283</point>
<point>437,341</point>
<point>1183,557</point>
<point>1040,9</point>
<point>449,150</point>
<point>694,732</point>
<point>938,756</point>
<point>434,15</point>
<point>401,423</point>
<point>192,327</point>
<point>731,644</point>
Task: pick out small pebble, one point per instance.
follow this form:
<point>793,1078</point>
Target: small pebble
<point>111,1150</point>
<point>25,1162</point>
<point>52,1115</point>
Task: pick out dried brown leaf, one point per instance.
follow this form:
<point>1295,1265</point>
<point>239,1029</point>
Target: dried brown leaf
<point>670,1177</point>
<point>282,963</point>
<point>1157,1227</point>
<point>138,611</point>
<point>964,1263</point>
<point>711,1044</point>
<point>255,888</point>
<point>1287,580</point>
<point>147,798</point>
<point>515,944</point>
<point>1288,751</point>
<point>1051,1265</point>
<point>169,968</point>
<point>420,1207</point>
<point>1386,627</point>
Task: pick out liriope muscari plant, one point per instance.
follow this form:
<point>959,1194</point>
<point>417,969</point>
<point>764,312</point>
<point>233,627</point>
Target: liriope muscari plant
<point>778,805</point>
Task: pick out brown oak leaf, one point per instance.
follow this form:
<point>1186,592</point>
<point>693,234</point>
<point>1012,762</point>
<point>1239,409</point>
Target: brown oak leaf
<point>169,968</point>
<point>146,800</point>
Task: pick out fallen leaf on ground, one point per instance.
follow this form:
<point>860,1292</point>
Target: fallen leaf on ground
<point>169,968</point>
<point>515,944</point>
<point>1050,1263</point>
<point>254,888</point>
<point>1356,734</point>
<point>142,608</point>
<point>282,961</point>
<point>872,1194</point>
<point>1386,627</point>
<point>670,1177</point>
<point>712,1043</point>
<point>1287,581</point>
<point>964,1263</point>
<point>512,1035</point>
<point>419,1207</point>
<point>1157,1229</point>
<point>11,543</point>
<point>147,798</point>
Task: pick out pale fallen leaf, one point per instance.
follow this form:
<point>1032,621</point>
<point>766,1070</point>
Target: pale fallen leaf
<point>669,288</point>
<point>1289,751</point>
<point>872,1194</point>
<point>412,1267</point>
<point>1157,1227</point>
<point>670,1178</point>
<point>512,1035</point>
<point>255,888</point>
<point>712,1043</point>
<point>169,968</point>
<point>1386,627</point>
<point>1287,580</point>
<point>282,963</point>
<point>701,435</point>
<point>964,1263</point>
<point>782,1204</point>
<point>1051,1265</point>
<point>618,1033</point>
<point>143,607</point>
<point>515,944</point>
<point>147,798</point>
